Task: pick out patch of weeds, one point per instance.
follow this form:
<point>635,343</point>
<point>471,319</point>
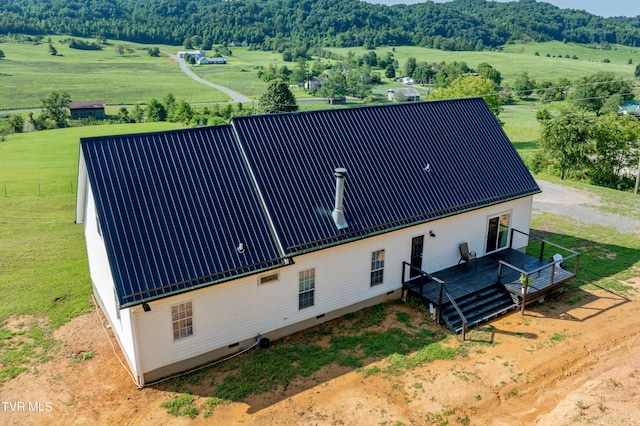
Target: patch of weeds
<point>615,383</point>
<point>512,393</point>
<point>557,337</point>
<point>478,397</point>
<point>371,371</point>
<point>23,348</point>
<point>370,317</point>
<point>82,356</point>
<point>211,404</point>
<point>435,419</point>
<point>463,420</point>
<point>602,406</point>
<point>581,405</point>
<point>573,301</point>
<point>404,318</point>
<point>181,405</point>
<point>349,361</point>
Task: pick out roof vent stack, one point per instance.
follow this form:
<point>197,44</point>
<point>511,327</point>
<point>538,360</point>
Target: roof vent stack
<point>338,214</point>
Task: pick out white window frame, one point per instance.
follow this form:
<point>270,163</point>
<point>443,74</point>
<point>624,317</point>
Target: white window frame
<point>306,288</point>
<point>182,320</point>
<point>499,244</point>
<point>377,268</point>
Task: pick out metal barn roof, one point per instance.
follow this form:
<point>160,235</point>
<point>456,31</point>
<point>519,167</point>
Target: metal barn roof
<point>406,164</point>
<point>173,209</point>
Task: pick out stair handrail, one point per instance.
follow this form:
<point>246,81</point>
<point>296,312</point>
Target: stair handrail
<point>459,311</point>
<point>443,292</point>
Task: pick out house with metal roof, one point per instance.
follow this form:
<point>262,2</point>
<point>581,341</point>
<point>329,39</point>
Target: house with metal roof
<point>203,241</point>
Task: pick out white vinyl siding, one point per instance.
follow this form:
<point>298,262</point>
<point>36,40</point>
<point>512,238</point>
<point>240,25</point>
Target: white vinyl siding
<point>103,284</point>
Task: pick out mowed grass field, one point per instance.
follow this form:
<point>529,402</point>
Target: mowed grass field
<point>515,59</point>
<point>43,261</point>
<point>29,72</point>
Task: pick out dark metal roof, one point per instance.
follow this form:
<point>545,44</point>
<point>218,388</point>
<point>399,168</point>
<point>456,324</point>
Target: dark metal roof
<point>87,105</point>
<point>173,208</point>
<point>406,164</point>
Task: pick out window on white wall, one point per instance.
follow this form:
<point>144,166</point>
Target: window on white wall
<point>498,232</point>
<point>377,267</point>
<point>306,288</point>
<point>182,319</point>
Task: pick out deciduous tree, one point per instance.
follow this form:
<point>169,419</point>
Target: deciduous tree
<point>472,86</point>
<point>55,107</point>
<point>565,138</point>
<point>591,92</point>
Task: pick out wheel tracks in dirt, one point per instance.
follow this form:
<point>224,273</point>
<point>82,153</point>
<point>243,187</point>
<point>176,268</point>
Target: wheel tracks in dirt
<point>544,378</point>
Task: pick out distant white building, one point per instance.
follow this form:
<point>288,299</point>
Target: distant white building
<point>204,61</point>
<point>197,54</point>
<point>404,94</point>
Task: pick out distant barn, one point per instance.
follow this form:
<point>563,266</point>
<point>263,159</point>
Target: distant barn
<point>87,109</point>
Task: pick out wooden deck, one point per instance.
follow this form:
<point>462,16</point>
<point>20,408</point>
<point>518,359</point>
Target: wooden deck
<point>462,280</point>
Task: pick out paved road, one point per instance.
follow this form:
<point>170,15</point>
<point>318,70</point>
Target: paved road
<point>576,204</point>
<point>235,96</point>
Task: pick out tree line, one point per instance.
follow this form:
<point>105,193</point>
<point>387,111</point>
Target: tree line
<point>281,24</point>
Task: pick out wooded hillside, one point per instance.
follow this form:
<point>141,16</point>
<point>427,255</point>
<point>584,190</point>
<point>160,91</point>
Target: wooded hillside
<point>277,24</point>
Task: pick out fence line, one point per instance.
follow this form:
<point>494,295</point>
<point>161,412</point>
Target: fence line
<point>15,189</point>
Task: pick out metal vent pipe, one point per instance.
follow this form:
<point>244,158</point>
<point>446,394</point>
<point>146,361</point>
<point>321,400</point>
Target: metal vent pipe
<point>338,213</point>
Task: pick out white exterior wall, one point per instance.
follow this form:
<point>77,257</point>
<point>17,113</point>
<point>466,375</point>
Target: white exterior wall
<point>241,309</point>
<point>103,284</point>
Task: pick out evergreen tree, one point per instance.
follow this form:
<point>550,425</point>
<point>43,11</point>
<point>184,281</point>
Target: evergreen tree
<point>155,111</point>
<point>278,98</point>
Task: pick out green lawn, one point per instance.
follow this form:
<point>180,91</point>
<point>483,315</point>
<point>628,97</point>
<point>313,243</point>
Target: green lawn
<point>42,254</point>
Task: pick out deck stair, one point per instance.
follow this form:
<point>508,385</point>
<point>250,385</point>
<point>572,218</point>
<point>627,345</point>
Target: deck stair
<point>478,307</point>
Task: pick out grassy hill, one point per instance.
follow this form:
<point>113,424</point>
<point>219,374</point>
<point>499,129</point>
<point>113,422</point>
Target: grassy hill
<point>42,253</point>
<point>515,59</point>
<point>29,72</point>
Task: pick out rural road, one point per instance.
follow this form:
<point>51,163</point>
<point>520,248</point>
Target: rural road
<point>235,96</point>
<point>577,204</point>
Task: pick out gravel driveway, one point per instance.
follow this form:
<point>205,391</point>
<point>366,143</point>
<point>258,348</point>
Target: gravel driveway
<point>569,202</point>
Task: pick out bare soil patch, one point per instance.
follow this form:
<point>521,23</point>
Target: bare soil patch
<point>570,360</point>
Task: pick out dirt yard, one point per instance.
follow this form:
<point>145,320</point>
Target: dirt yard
<point>566,362</point>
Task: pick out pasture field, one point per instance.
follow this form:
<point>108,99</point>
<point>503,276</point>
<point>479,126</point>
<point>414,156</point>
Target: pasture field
<point>29,72</point>
<point>42,254</point>
<point>515,59</point>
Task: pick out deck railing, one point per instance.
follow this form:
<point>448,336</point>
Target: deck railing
<point>425,278</point>
<point>525,276</point>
